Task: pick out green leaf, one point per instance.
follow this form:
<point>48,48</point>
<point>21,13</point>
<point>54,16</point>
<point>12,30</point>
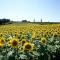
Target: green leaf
<point>22,56</point>
<point>36,53</point>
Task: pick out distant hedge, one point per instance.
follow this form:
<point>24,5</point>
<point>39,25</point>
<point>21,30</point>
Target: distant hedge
<point>4,21</point>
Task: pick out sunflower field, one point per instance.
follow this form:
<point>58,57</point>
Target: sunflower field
<point>29,42</point>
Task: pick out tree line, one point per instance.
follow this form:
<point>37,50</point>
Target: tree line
<point>4,21</point>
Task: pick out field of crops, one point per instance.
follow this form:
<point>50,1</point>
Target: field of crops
<point>29,41</point>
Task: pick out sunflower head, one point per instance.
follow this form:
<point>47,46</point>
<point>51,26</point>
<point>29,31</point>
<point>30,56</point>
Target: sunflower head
<point>2,40</point>
<point>28,46</point>
<point>9,42</point>
<point>1,34</point>
<point>43,41</point>
<point>55,34</point>
<point>16,33</point>
<point>1,45</point>
<point>23,41</point>
<point>33,35</point>
<point>14,42</point>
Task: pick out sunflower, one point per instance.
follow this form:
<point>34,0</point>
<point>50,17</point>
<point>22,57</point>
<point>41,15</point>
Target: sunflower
<point>43,41</point>
<point>1,45</point>
<point>9,42</point>
<point>2,40</point>
<point>16,33</point>
<point>23,41</point>
<point>55,34</point>
<point>33,35</point>
<point>28,46</point>
<point>1,34</point>
<point>14,42</point>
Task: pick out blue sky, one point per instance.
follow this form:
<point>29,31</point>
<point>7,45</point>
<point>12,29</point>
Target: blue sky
<point>17,10</point>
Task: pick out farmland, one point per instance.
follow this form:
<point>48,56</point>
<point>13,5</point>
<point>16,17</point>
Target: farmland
<point>29,41</point>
